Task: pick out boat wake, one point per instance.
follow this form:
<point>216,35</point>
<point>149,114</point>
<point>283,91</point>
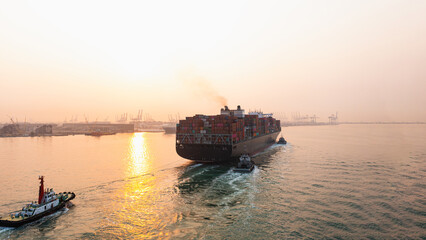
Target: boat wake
<point>4,229</point>
<point>52,216</point>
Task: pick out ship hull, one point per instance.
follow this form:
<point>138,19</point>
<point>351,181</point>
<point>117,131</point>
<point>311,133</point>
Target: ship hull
<point>169,129</point>
<point>212,153</point>
<point>14,224</point>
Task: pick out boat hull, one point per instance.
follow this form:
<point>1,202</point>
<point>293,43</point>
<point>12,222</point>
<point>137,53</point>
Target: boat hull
<point>244,170</point>
<point>212,153</point>
<point>169,129</point>
<point>14,224</point>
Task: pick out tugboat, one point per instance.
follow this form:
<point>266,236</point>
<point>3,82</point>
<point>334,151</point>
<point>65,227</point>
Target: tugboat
<point>281,141</point>
<point>245,165</point>
<point>48,203</point>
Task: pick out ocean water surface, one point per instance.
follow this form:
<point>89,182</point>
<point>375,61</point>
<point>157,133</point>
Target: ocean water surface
<point>337,182</point>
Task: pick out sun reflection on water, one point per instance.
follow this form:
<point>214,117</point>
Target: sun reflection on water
<point>138,155</point>
<point>139,206</point>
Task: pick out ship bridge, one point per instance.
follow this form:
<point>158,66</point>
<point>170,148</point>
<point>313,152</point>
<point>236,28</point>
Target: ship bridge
<point>228,112</point>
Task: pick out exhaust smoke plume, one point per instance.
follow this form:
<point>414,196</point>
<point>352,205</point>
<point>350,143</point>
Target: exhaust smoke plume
<point>202,88</point>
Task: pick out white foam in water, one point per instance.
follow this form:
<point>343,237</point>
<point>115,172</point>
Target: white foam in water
<point>65,210</point>
<point>53,215</point>
<point>267,149</point>
<point>203,170</point>
<point>242,183</point>
<point>194,166</point>
<point>229,177</point>
<point>4,229</point>
<point>235,179</point>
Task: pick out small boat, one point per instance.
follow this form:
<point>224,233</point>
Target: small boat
<point>48,202</point>
<point>281,141</point>
<point>245,165</point>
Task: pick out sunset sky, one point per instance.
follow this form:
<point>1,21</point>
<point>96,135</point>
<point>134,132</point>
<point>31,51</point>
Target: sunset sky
<point>364,59</point>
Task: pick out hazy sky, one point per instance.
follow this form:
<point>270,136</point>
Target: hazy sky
<point>364,59</point>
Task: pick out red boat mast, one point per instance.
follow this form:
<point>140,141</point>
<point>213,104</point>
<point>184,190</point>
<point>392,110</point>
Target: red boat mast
<point>41,190</point>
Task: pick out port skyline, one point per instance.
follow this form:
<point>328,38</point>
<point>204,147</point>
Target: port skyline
<point>364,60</point>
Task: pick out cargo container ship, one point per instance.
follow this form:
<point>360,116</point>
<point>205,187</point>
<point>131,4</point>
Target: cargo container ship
<point>170,128</point>
<point>225,137</point>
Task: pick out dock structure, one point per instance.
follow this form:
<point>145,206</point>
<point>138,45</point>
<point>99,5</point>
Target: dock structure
<point>46,129</point>
<point>83,128</point>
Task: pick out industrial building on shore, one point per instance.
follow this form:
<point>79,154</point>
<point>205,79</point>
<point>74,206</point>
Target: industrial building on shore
<point>46,129</point>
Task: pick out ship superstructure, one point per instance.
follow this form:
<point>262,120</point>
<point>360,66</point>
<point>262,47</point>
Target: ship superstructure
<point>226,136</point>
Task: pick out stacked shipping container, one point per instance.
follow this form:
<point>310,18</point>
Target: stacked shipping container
<point>224,129</point>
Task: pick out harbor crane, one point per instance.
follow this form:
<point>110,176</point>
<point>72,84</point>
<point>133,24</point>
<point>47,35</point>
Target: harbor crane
<point>333,119</point>
<point>314,118</point>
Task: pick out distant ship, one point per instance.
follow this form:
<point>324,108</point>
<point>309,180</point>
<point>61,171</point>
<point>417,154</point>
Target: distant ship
<point>48,203</point>
<point>226,136</point>
<point>170,128</point>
